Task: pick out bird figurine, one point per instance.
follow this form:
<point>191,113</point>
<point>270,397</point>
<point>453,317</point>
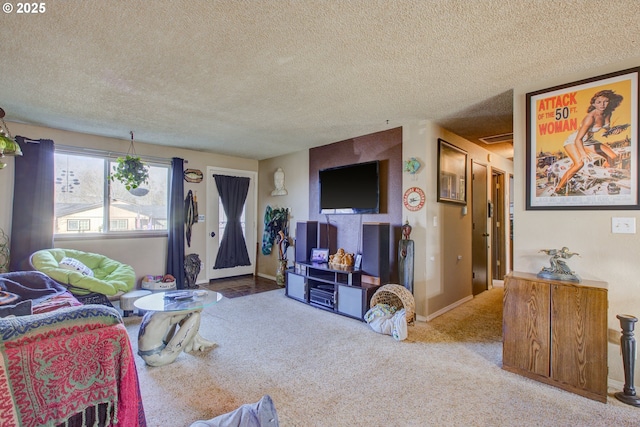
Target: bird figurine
<point>558,268</point>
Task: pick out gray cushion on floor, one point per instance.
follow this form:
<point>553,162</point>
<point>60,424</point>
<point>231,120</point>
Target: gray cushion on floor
<point>259,414</point>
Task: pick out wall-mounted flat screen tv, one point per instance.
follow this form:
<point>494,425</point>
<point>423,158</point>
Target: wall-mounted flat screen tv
<point>350,189</point>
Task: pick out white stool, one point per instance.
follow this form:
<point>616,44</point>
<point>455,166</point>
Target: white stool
<point>127,300</point>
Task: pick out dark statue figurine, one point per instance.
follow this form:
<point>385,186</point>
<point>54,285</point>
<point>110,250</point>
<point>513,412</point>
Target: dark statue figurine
<point>558,268</point>
<point>191,270</point>
<point>405,258</point>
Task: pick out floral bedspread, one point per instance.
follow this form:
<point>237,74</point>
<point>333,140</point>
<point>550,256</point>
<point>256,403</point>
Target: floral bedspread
<point>55,365</point>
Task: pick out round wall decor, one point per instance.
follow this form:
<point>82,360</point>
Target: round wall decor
<point>413,199</point>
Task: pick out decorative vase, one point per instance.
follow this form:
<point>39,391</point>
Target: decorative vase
<point>280,272</point>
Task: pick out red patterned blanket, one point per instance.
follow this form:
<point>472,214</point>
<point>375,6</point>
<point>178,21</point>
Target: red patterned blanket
<point>69,361</point>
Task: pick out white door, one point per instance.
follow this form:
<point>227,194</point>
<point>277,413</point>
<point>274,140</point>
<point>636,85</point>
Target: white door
<point>216,221</point>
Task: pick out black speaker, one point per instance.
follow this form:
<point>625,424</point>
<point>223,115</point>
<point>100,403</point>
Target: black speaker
<point>306,239</point>
<point>328,237</point>
<point>375,250</point>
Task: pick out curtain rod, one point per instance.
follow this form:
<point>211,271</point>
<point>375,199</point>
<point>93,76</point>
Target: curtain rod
<point>108,153</point>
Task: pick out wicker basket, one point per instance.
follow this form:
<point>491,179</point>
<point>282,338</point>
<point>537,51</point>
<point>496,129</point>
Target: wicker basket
<point>397,296</point>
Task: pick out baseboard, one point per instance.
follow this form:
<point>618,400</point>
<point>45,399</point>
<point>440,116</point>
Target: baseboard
<point>266,276</point>
<point>615,384</point>
<point>449,307</point>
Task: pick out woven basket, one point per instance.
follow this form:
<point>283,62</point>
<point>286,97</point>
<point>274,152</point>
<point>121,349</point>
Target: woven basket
<point>396,296</point>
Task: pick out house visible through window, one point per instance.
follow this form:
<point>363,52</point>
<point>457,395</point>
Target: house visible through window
<point>78,224</point>
<point>87,202</point>
<point>119,225</point>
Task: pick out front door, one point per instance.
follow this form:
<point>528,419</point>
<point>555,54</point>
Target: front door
<point>480,236</point>
<point>216,222</point>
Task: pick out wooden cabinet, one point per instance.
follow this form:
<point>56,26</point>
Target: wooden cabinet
<point>332,288</point>
<point>556,332</point>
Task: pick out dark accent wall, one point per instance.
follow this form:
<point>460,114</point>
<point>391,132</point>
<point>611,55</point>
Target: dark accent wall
<point>385,146</point>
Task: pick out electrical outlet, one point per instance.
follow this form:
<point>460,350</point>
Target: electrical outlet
<point>623,225</point>
<point>200,218</point>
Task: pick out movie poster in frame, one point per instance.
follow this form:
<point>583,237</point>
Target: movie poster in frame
<point>582,144</point>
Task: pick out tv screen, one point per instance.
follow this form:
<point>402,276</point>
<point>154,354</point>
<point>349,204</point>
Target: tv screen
<point>350,189</point>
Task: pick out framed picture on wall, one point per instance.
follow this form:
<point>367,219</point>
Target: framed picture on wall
<point>452,173</point>
<point>582,144</point>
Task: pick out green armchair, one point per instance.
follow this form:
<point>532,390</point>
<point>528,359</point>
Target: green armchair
<point>102,275</point>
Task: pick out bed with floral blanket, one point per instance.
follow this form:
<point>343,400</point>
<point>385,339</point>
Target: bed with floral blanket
<point>67,365</point>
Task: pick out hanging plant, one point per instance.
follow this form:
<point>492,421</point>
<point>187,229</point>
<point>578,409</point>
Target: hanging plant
<point>130,170</point>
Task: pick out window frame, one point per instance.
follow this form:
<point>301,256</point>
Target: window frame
<point>107,157</point>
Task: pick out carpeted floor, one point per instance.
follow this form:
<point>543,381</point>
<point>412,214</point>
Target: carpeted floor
<point>322,369</point>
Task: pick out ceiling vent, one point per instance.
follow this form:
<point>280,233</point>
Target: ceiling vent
<point>496,139</point>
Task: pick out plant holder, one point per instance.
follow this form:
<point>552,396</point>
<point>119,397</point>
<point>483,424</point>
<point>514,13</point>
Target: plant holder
<point>131,171</point>
<point>281,272</point>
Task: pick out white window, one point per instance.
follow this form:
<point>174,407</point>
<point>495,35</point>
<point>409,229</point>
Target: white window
<point>119,225</point>
<point>222,218</point>
<point>78,225</point>
<point>87,202</point>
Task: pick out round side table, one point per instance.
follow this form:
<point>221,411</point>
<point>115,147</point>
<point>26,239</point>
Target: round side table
<point>171,324</point>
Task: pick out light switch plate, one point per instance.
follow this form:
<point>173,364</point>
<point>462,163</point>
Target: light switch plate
<point>623,225</point>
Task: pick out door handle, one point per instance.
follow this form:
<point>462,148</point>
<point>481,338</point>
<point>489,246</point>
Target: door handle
<point>213,234</point>
<point>485,234</point>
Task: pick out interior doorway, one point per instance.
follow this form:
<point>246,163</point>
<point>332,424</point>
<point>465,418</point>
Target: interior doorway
<point>480,236</point>
<point>510,222</point>
<point>498,247</point>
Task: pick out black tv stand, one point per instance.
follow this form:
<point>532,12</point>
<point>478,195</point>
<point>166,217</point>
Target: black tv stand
<point>330,287</point>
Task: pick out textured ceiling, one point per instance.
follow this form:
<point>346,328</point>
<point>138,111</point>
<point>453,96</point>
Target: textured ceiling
<point>259,79</point>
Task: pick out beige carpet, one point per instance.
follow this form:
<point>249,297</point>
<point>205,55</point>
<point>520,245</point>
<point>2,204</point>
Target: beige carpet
<point>323,369</point>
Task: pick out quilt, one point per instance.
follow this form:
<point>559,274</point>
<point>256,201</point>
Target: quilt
<point>58,364</point>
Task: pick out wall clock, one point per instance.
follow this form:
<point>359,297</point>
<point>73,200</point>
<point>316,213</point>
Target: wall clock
<point>413,199</point>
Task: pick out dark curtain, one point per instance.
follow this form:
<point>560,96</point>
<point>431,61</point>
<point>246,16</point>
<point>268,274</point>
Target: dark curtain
<point>233,248</point>
<point>33,201</point>
<point>175,243</point>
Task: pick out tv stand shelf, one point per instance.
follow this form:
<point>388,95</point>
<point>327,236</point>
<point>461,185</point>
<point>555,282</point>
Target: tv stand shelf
<point>328,287</point>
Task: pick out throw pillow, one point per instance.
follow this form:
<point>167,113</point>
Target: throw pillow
<point>74,264</point>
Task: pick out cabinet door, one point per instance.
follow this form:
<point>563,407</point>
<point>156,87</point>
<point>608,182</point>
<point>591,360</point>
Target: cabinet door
<point>350,301</point>
<point>526,328</point>
<point>579,337</point>
<point>297,287</point>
